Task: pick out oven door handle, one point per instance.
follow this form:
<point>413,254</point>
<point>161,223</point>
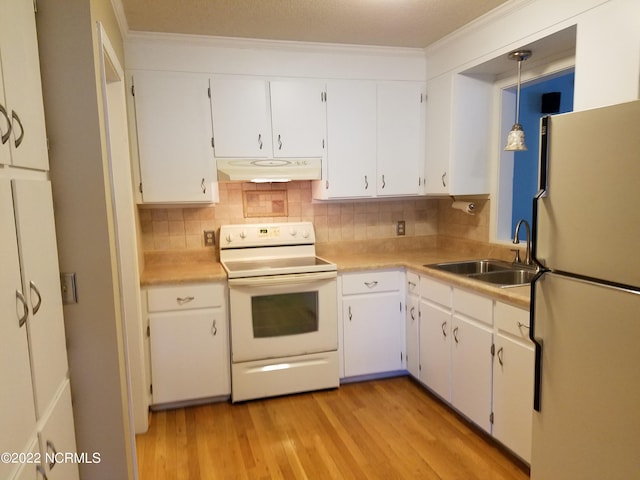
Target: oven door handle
<point>281,279</point>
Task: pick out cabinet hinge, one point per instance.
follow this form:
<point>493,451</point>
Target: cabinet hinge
<point>400,306</point>
<point>133,90</point>
<point>400,357</point>
<point>493,349</point>
<point>35,6</point>
<point>151,388</point>
<point>423,98</point>
<point>213,145</point>
<point>323,96</point>
<point>491,418</point>
<point>326,185</point>
<point>148,331</point>
<point>140,187</point>
<point>209,91</point>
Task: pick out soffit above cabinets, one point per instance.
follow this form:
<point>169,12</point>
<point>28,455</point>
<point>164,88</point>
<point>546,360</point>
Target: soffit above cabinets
<point>394,23</point>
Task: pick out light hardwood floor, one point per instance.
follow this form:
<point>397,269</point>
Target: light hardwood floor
<point>383,429</point>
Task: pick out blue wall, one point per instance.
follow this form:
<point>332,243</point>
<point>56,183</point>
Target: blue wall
<point>525,170</point>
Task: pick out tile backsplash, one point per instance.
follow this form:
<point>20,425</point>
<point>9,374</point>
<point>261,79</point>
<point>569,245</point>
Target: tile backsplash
<point>176,228</point>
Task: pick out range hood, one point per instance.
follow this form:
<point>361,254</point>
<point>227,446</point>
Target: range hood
<point>269,169</point>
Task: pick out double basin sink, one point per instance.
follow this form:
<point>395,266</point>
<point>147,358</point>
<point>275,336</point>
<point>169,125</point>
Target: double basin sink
<point>497,272</point>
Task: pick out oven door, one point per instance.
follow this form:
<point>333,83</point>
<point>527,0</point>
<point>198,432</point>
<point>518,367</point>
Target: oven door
<point>283,315</point>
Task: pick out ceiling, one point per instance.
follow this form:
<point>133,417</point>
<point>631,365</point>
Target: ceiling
<point>395,23</point>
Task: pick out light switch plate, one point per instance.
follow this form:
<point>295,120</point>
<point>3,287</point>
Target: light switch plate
<point>68,287</point>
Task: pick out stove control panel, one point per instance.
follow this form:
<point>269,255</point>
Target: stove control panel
<point>273,234</point>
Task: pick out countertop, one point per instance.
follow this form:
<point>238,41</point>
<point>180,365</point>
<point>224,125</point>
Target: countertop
<point>163,268</point>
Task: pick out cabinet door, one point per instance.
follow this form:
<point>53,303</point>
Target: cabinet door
<point>22,84</point>
<point>241,124</point>
<point>57,437</point>
<point>173,121</point>
<point>513,394</point>
<point>189,355</point>
<point>413,335</point>
<point>401,137</point>
<point>17,415</point>
<point>471,370</point>
<point>41,286</point>
<point>372,334</point>
<point>298,118</point>
<point>435,348</point>
<point>351,137</point>
<point>438,127</point>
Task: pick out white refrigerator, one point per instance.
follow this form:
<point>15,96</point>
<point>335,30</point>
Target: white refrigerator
<point>585,305</point>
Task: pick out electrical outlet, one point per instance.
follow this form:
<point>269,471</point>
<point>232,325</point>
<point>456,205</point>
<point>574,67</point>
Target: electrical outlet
<point>400,227</point>
<point>209,238</point>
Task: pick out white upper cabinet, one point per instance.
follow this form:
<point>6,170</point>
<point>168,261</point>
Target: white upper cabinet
<point>174,133</point>
<point>241,117</point>
<point>401,134</point>
<point>376,135</point>
<point>458,122</point>
<point>22,128</point>
<point>258,118</point>
<point>351,137</point>
<point>298,116</point>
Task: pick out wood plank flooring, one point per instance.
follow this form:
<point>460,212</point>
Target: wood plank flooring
<point>383,429</point>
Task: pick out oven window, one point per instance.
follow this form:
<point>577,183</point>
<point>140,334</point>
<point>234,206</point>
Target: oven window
<point>284,314</point>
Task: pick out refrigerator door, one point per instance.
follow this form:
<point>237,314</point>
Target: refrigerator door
<point>587,223</point>
<point>588,426</point>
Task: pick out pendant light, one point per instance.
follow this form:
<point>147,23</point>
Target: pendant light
<point>515,140</point>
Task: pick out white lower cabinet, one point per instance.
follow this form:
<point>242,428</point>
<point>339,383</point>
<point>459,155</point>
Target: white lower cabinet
<point>435,336</point>
<point>475,354</point>
<point>472,337</point>
<point>513,371</point>
<point>189,342</point>
<point>57,441</point>
<point>412,325</point>
<point>373,326</point>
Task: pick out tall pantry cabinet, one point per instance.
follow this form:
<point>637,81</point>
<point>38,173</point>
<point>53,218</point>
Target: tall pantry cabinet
<point>36,418</point>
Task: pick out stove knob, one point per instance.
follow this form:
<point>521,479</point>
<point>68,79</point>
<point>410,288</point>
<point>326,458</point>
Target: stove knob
<point>243,234</point>
<point>229,238</point>
<point>293,232</point>
<point>305,233</point>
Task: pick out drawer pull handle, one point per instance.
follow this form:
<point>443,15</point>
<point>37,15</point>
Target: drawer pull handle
<point>522,325</point>
<point>214,329</point>
<point>371,284</point>
<point>411,312</point>
<point>183,300</point>
<point>412,285</point>
<point>444,331</point>
<point>350,316</point>
<point>500,353</point>
<point>455,334</point>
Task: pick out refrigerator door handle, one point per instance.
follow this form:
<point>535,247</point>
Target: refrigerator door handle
<point>542,192</point>
<point>537,342</point>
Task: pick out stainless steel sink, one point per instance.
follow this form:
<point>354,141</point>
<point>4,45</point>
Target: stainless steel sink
<point>496,272</point>
<point>470,267</point>
<point>507,278</point>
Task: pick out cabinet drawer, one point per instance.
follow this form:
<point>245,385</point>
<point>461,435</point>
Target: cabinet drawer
<point>435,291</point>
<point>185,297</point>
<point>512,320</point>
<point>413,283</point>
<point>472,305</point>
<point>370,282</point>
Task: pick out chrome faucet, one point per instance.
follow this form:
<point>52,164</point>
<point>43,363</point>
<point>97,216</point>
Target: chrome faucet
<point>516,241</point>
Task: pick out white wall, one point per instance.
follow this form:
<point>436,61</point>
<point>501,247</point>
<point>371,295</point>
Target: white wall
<point>607,48</point>
<point>190,53</point>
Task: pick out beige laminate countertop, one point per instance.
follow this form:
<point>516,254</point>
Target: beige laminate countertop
<point>162,269</point>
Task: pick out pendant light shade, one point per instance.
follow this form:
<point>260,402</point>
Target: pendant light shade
<point>515,139</point>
